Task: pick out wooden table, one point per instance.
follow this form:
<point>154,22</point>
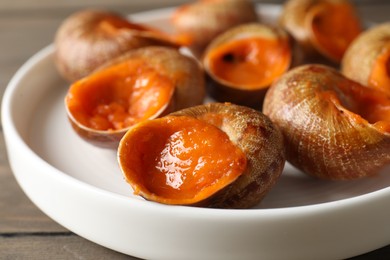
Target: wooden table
<point>26,27</point>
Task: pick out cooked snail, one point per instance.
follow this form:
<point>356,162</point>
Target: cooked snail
<point>214,155</point>
<point>203,20</point>
<point>244,61</point>
<point>321,28</point>
<point>89,38</point>
<point>142,84</point>
<point>334,128</point>
<point>367,60</point>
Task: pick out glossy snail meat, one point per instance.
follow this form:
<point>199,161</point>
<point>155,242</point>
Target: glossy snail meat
<point>142,84</point>
<point>214,155</point>
<point>244,61</point>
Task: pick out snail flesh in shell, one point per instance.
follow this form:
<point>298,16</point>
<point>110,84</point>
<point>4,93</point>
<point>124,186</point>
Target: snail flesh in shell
<point>142,84</point>
<point>323,29</point>
<point>367,60</point>
<point>203,20</point>
<point>243,62</point>
<point>88,38</point>
<point>216,155</point>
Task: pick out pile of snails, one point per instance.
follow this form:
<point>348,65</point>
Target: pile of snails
<point>312,89</point>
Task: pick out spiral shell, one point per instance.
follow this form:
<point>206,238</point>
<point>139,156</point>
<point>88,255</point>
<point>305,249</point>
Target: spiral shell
<point>367,60</point>
<point>89,38</point>
<point>334,128</point>
<point>323,29</point>
<point>204,20</point>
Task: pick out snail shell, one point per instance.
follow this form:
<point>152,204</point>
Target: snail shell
<point>367,60</point>
<point>204,20</point>
<point>88,38</point>
<point>243,62</point>
<point>141,84</point>
<point>247,129</point>
<point>323,29</point>
<point>334,128</point>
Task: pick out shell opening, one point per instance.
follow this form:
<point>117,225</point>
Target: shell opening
<point>333,27</point>
<point>179,159</point>
<point>250,63</point>
<point>119,96</point>
<point>380,74</point>
<point>370,104</point>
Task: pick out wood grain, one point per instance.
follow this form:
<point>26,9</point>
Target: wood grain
<point>54,246</point>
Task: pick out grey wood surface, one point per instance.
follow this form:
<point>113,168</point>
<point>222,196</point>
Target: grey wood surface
<point>26,27</point>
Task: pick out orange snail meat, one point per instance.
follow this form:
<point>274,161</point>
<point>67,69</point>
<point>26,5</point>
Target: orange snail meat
<point>142,84</point>
<point>321,28</point>
<point>244,61</point>
<point>213,155</point>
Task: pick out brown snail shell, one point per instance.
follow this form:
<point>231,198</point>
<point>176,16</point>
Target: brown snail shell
<point>204,20</point>
<point>243,61</point>
<point>247,129</point>
<point>367,60</point>
<point>88,38</point>
<point>334,128</point>
<point>146,83</point>
<point>322,29</point>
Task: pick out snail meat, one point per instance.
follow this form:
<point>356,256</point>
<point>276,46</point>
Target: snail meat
<point>216,155</point>
<point>244,61</point>
<point>142,84</point>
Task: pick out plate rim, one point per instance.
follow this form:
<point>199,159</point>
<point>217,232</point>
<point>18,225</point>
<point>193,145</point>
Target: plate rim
<point>46,53</point>
<point>12,133</point>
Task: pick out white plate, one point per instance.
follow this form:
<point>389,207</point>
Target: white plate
<point>81,187</point>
